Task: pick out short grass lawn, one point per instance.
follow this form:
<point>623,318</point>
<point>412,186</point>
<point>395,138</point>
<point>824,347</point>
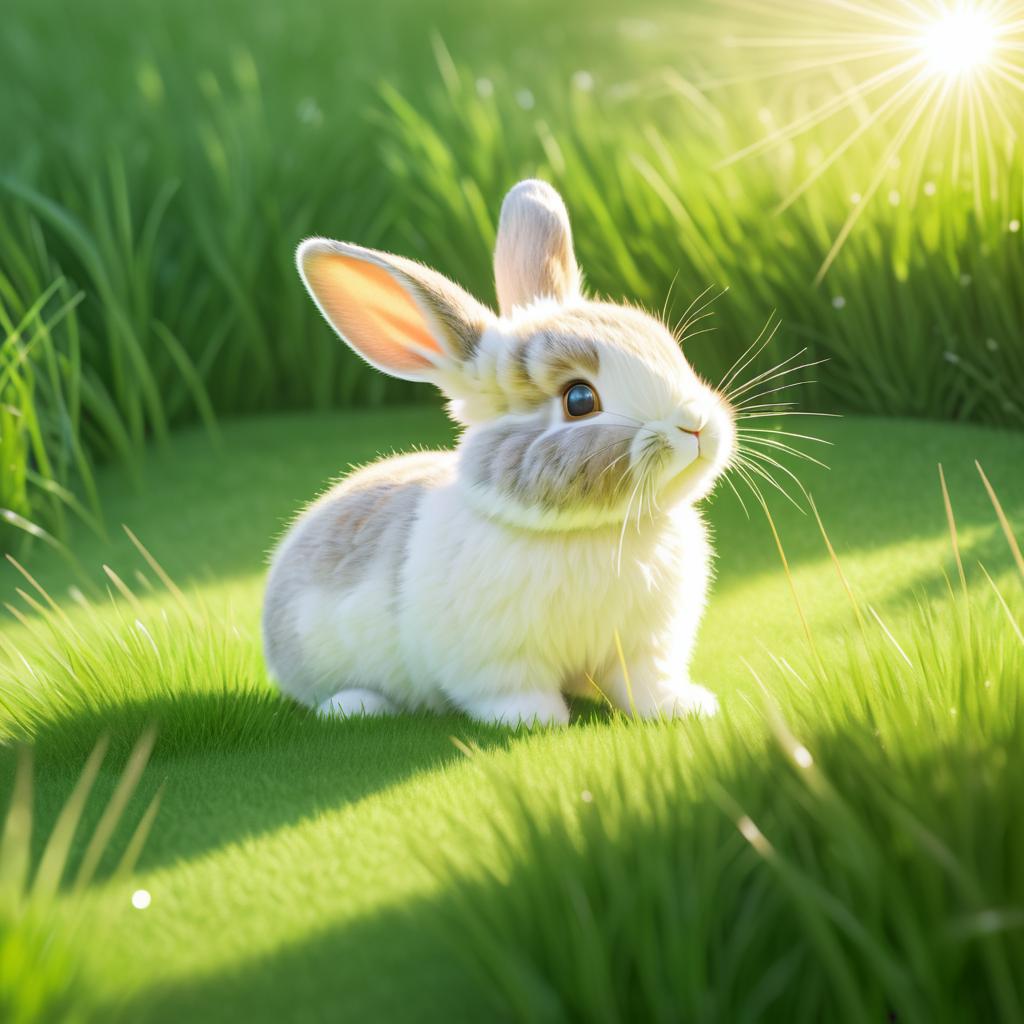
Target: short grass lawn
<point>826,844</point>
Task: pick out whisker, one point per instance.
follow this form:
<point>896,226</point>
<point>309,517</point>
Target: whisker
<point>612,463</point>
<point>775,376</point>
<point>622,532</point>
<point>742,361</point>
<point>791,412</point>
<point>603,449</point>
<point>681,330</point>
<point>766,405</point>
<point>668,297</point>
<point>753,467</point>
<point>686,312</point>
<point>764,457</point>
<point>774,391</point>
<point>781,447</point>
<point>732,486</point>
<point>748,480</point>
<point>759,395</point>
<point>686,319</point>
<point>744,431</point>
<point>764,373</point>
<point>695,334</point>
<point>757,453</point>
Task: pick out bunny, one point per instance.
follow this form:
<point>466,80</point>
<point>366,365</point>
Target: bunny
<point>556,549</point>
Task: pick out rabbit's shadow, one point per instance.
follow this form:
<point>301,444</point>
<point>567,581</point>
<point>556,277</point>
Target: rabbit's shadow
<point>238,765</point>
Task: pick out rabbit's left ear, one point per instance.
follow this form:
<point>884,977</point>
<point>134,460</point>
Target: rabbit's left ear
<point>533,255</point>
<point>401,317</point>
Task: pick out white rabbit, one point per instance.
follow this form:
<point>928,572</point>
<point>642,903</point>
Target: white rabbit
<point>497,577</point>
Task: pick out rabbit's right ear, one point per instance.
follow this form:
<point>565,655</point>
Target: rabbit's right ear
<point>400,316</point>
<point>533,257</point>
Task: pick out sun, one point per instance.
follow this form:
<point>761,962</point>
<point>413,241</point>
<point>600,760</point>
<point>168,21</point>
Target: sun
<point>959,42</point>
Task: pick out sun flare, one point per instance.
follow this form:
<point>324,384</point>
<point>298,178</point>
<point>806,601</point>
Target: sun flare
<point>924,87</point>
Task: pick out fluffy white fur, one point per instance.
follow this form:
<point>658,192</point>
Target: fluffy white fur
<point>442,579</point>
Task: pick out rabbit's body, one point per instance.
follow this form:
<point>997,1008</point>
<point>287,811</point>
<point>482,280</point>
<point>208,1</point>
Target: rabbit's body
<point>557,549</point>
<point>391,584</point>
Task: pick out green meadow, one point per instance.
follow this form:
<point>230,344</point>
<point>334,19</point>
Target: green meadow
<point>843,842</point>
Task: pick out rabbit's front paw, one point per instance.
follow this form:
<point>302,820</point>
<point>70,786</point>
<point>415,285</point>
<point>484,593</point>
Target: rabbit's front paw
<point>356,703</point>
<point>669,700</point>
<point>687,701</point>
<point>527,709</point>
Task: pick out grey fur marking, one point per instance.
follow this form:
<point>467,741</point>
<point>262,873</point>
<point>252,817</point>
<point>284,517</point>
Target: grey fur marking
<point>571,467</point>
<point>359,525</point>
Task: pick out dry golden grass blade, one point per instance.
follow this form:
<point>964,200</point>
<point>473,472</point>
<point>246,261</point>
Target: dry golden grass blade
<point>1014,625</point>
<point>953,536</point>
<point>792,585</point>
<point>625,674</point>
<point>469,749</point>
<point>1003,521</point>
<point>838,566</point>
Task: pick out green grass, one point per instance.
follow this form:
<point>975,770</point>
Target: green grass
<point>169,196</point>
<point>371,870</point>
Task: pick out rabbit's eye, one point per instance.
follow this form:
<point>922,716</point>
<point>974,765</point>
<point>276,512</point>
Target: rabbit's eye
<point>580,399</point>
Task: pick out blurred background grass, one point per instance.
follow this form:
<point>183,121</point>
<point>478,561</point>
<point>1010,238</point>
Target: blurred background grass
<point>160,163</point>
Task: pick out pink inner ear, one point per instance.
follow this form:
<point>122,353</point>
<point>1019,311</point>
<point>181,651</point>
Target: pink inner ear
<point>371,311</point>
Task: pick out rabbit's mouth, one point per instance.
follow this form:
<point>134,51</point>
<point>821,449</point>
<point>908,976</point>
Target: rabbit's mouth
<point>699,458</point>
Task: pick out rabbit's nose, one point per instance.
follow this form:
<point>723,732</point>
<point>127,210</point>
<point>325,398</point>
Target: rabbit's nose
<point>692,433</point>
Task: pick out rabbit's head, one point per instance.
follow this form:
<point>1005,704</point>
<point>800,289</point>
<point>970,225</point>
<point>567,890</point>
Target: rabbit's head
<point>578,413</point>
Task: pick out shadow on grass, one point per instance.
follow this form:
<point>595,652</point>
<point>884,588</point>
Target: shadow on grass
<point>666,910</point>
<point>234,765</point>
<point>237,765</point>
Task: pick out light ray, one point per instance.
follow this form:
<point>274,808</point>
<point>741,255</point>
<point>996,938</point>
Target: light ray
<point>924,79</point>
<point>876,181</point>
<point>820,114</point>
<point>898,99</point>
